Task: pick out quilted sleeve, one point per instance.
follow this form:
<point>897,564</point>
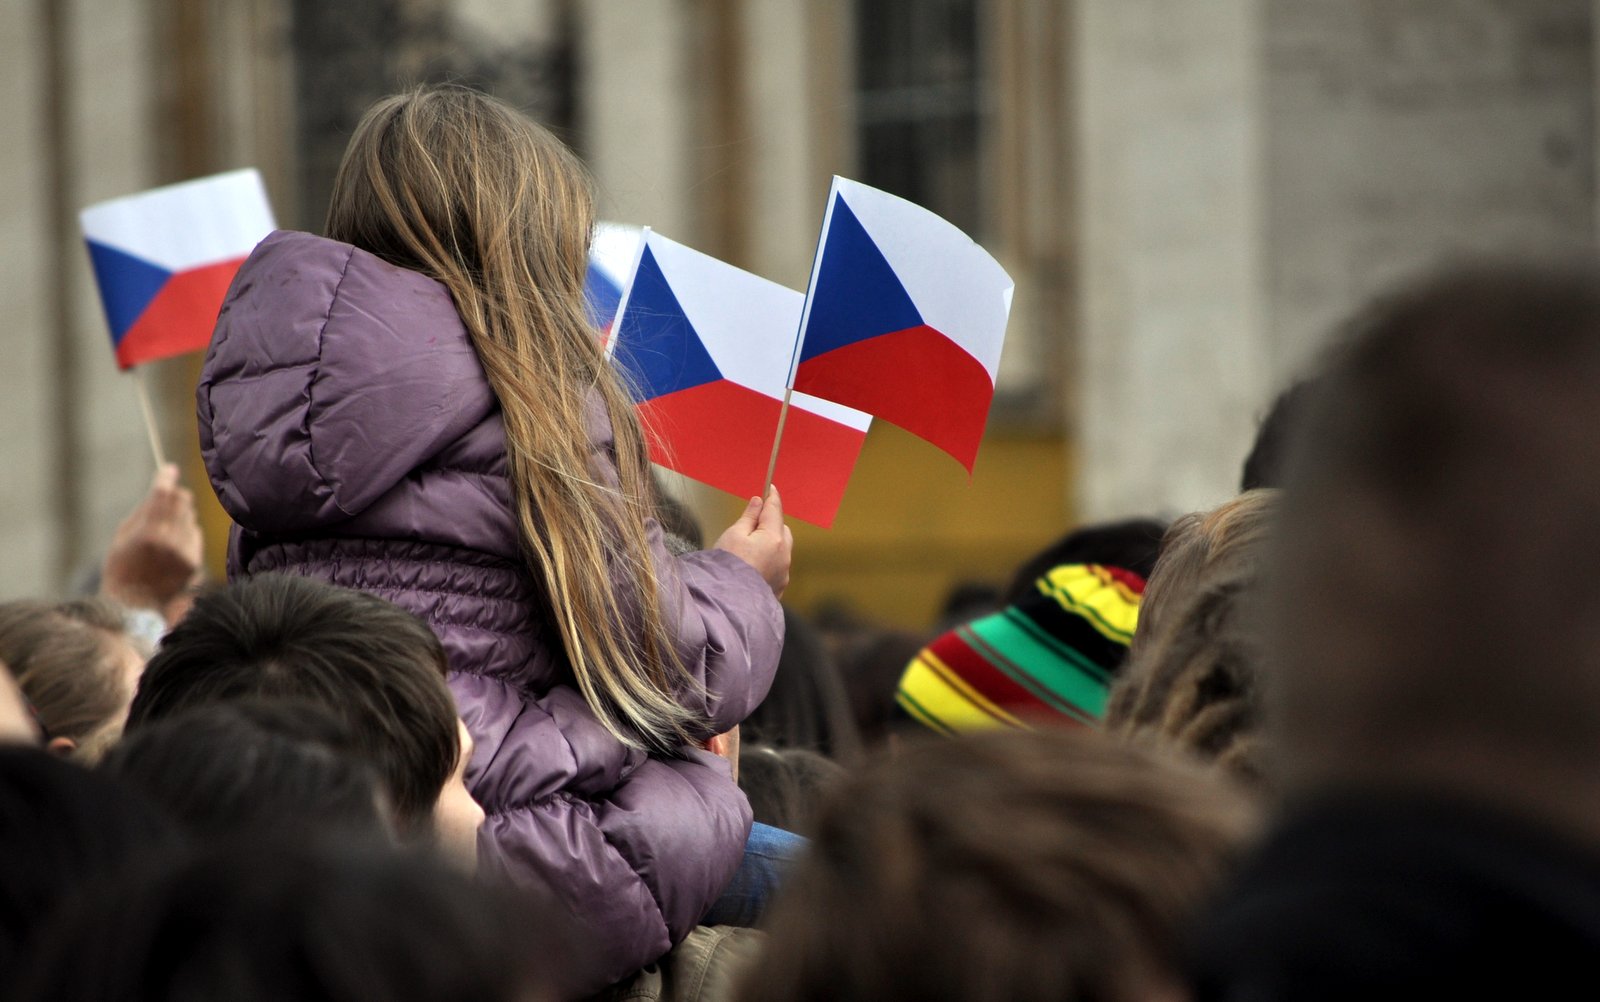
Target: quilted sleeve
<point>727,625</point>
<point>627,865</point>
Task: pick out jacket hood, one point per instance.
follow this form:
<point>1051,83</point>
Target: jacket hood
<point>331,376</point>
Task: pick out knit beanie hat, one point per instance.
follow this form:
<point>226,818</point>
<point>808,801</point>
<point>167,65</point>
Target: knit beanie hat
<point>1047,659</point>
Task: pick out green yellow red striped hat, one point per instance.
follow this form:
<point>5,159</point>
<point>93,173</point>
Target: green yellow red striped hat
<point>1049,658</point>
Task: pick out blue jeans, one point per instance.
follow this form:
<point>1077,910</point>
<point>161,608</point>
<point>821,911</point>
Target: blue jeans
<point>767,855</point>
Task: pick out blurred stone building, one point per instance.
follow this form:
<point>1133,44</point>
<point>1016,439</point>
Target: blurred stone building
<point>1189,195</point>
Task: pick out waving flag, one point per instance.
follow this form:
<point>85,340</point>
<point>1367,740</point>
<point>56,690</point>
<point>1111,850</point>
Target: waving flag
<point>708,349</point>
<point>905,318</point>
<point>164,259</point>
<point>613,254</point>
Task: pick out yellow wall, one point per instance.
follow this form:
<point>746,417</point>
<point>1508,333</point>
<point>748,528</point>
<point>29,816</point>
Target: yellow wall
<point>180,376</point>
<point>912,524</point>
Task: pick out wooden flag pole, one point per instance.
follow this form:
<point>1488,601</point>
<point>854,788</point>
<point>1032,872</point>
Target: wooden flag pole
<point>777,440</point>
<point>149,416</point>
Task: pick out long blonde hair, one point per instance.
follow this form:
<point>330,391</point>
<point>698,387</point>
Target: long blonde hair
<point>1193,673</point>
<point>463,188</point>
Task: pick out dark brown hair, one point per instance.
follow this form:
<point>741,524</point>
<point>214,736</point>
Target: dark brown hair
<point>1192,676</point>
<point>375,666</point>
<point>1005,865</point>
<point>263,921</point>
<point>808,706</point>
<point>786,786</point>
<point>64,656</point>
<point>1434,609</point>
<point>254,768</point>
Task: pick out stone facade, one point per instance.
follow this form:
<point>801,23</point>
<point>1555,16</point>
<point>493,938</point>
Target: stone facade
<point>1189,194</point>
<point>1255,169</point>
<point>1400,134</point>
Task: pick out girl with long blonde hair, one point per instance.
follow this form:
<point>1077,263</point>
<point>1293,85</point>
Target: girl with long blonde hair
<point>417,405</point>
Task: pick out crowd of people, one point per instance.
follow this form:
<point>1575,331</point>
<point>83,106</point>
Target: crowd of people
<point>478,715</point>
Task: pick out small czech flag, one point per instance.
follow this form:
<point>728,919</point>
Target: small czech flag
<point>164,260</point>
<point>707,348</point>
<point>905,318</point>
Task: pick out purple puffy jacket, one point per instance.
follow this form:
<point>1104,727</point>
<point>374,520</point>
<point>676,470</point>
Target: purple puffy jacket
<point>350,432</point>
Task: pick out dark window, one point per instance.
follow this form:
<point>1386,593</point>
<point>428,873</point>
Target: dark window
<point>919,103</point>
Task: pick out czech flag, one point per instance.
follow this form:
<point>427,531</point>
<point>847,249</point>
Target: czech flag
<point>613,254</point>
<point>164,259</point>
<point>905,318</point>
<point>708,349</point>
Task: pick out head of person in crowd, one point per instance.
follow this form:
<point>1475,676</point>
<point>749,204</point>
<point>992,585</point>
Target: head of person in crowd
<point>461,187</point>
<point>786,786</point>
<point>253,922</point>
<point>17,726</point>
<point>871,660</point>
<point>1433,609</point>
<point>64,830</point>
<point>255,767</point>
<point>1045,660</point>
<point>1012,865</point>
<point>378,669</point>
<point>967,599</point>
<point>1131,544</point>
<point>807,706</point>
<point>1193,675</point>
<point>77,666</point>
<point>1269,453</point>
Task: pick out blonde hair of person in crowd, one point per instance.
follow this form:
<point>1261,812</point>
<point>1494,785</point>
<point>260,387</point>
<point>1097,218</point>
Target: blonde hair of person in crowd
<point>1192,676</point>
<point>77,667</point>
<point>17,726</point>
<point>514,260</point>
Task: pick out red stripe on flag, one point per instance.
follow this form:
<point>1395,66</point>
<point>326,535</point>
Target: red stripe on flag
<point>721,434</point>
<point>814,465</point>
<point>915,378</point>
<point>181,316</point>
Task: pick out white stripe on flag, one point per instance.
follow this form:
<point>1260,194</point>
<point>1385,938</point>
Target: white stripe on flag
<point>615,251</point>
<point>183,226</point>
<point>747,323</point>
<point>960,290</point>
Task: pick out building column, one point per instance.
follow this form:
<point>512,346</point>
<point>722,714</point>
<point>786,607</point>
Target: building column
<point>28,532</point>
<point>1169,188</point>
<point>635,84</point>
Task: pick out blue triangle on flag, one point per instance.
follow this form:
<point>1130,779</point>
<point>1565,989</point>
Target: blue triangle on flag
<point>657,346</point>
<point>600,297</point>
<point>127,284</point>
<point>857,294</point>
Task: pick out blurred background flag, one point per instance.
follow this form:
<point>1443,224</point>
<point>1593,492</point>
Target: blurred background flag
<point>164,259</point>
<point>905,318</point>
<point>613,254</point>
<point>708,348</point>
